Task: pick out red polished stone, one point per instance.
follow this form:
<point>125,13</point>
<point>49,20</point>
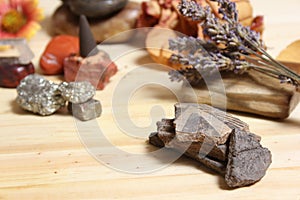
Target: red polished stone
<point>96,69</point>
<point>11,75</point>
<point>59,47</point>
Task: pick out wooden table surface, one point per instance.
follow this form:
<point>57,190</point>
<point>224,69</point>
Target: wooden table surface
<point>44,157</point>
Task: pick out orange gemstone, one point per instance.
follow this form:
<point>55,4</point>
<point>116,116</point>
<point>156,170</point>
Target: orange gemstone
<point>60,47</point>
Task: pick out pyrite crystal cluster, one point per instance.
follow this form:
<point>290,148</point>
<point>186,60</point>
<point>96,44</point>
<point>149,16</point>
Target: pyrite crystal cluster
<point>39,95</point>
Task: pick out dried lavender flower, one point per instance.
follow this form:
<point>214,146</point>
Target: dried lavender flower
<point>192,10</point>
<point>228,46</point>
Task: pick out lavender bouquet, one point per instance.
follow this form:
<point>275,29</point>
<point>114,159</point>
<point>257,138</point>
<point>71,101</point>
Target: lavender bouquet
<point>227,46</point>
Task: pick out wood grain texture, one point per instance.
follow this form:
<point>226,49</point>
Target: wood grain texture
<point>44,157</point>
<point>251,92</point>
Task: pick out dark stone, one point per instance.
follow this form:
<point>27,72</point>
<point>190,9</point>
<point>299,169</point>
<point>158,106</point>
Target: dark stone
<point>229,120</point>
<point>11,75</point>
<point>165,137</point>
<point>248,161</point>
<point>155,140</point>
<point>96,8</point>
<point>196,122</point>
<point>239,156</point>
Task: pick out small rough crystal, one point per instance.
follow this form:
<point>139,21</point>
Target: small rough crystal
<point>39,95</point>
<point>77,92</point>
<point>86,111</point>
<point>21,52</point>
<point>97,69</point>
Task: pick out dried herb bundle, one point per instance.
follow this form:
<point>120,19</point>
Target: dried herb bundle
<point>228,45</point>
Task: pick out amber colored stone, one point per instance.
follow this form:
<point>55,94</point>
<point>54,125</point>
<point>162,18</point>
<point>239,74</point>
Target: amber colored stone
<point>51,61</point>
<point>11,75</point>
<point>96,69</point>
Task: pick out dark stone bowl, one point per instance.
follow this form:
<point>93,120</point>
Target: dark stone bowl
<point>95,8</point>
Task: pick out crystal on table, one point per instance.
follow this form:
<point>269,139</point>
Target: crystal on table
<point>38,95</point>
<point>77,92</point>
<point>86,111</point>
<point>15,51</point>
